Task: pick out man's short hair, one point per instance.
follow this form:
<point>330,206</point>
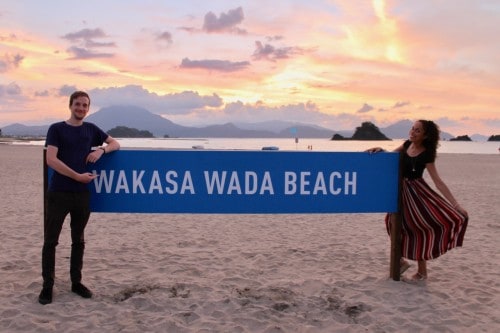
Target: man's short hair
<point>77,94</point>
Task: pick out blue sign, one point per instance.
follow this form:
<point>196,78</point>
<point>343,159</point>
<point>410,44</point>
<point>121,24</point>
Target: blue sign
<point>213,181</point>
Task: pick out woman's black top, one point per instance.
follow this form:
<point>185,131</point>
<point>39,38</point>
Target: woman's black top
<point>413,167</point>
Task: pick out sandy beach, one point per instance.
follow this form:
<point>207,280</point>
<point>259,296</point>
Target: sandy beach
<point>247,273</point>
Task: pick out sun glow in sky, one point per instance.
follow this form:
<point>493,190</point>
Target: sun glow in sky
<point>333,63</point>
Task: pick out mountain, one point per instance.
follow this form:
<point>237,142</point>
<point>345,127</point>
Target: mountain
<point>275,126</point>
<point>228,130</point>
<point>398,130</point>
<point>305,131</point>
<point>289,129</point>
<point>479,137</point>
<point>135,117</point>
<point>23,130</point>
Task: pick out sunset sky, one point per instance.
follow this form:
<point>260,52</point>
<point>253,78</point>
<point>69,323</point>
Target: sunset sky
<point>332,63</point>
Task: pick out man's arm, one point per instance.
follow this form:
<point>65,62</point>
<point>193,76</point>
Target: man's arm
<point>111,144</point>
<point>55,163</point>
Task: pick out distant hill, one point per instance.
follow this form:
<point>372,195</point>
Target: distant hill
<point>23,130</point>
<point>289,129</point>
<point>228,130</point>
<point>305,131</point>
<point>479,137</point>
<point>400,130</point>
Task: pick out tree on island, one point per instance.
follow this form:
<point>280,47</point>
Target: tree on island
<point>337,136</point>
<point>127,132</point>
<point>367,131</point>
<point>494,138</point>
<point>461,138</point>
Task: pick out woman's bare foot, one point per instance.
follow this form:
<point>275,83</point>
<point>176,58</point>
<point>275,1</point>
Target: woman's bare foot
<point>403,266</point>
<point>419,277</point>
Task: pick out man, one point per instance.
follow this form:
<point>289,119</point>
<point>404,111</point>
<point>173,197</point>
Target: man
<point>69,150</point>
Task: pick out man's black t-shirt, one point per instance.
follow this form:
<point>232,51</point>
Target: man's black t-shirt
<point>74,143</point>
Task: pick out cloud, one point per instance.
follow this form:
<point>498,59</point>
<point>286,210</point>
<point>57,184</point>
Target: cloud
<point>400,104</point>
<point>274,38</point>
<point>67,90</point>
<point>239,112</point>
<point>365,108</point>
<point>164,37</point>
<point>44,93</point>
<point>10,90</point>
<point>85,34</point>
<point>259,110</point>
<point>269,52</point>
<point>494,122</point>
<point>225,22</point>
<point>92,44</point>
<point>217,65</point>
<point>82,53</point>
<point>9,61</point>
<point>170,104</point>
<point>86,44</point>
<point>79,71</point>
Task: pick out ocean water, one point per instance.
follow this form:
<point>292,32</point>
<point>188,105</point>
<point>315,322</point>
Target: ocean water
<point>302,144</point>
<point>290,144</point>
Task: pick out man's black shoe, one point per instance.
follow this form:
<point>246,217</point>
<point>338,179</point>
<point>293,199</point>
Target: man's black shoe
<point>81,290</point>
<point>45,296</point>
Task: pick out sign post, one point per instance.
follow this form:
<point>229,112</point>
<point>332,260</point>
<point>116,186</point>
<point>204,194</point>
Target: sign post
<point>395,225</point>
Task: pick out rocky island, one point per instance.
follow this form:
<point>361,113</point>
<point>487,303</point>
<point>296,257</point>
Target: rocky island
<point>367,131</point>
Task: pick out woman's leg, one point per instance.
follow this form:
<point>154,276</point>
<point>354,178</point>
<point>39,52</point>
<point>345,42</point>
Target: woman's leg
<point>421,272</point>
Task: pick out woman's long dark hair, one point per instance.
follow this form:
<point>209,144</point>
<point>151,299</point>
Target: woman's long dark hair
<point>431,141</point>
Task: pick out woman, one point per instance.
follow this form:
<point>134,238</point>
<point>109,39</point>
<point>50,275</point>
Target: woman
<point>431,224</point>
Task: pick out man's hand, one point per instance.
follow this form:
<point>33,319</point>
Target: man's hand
<point>94,156</point>
<point>86,177</point>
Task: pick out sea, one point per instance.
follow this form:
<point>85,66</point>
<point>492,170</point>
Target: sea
<point>293,144</point>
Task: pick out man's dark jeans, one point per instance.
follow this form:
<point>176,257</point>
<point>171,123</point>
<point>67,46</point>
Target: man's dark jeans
<point>60,204</point>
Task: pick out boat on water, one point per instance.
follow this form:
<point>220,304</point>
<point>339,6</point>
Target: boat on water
<point>270,148</point>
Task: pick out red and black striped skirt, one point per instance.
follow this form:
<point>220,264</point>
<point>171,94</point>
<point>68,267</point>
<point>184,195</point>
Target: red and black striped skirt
<point>430,225</point>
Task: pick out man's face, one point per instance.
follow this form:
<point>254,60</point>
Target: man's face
<point>80,107</point>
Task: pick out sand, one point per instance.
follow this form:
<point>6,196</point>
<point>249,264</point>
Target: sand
<point>247,273</point>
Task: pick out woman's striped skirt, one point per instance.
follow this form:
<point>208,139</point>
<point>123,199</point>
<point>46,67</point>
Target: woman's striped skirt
<point>430,224</point>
